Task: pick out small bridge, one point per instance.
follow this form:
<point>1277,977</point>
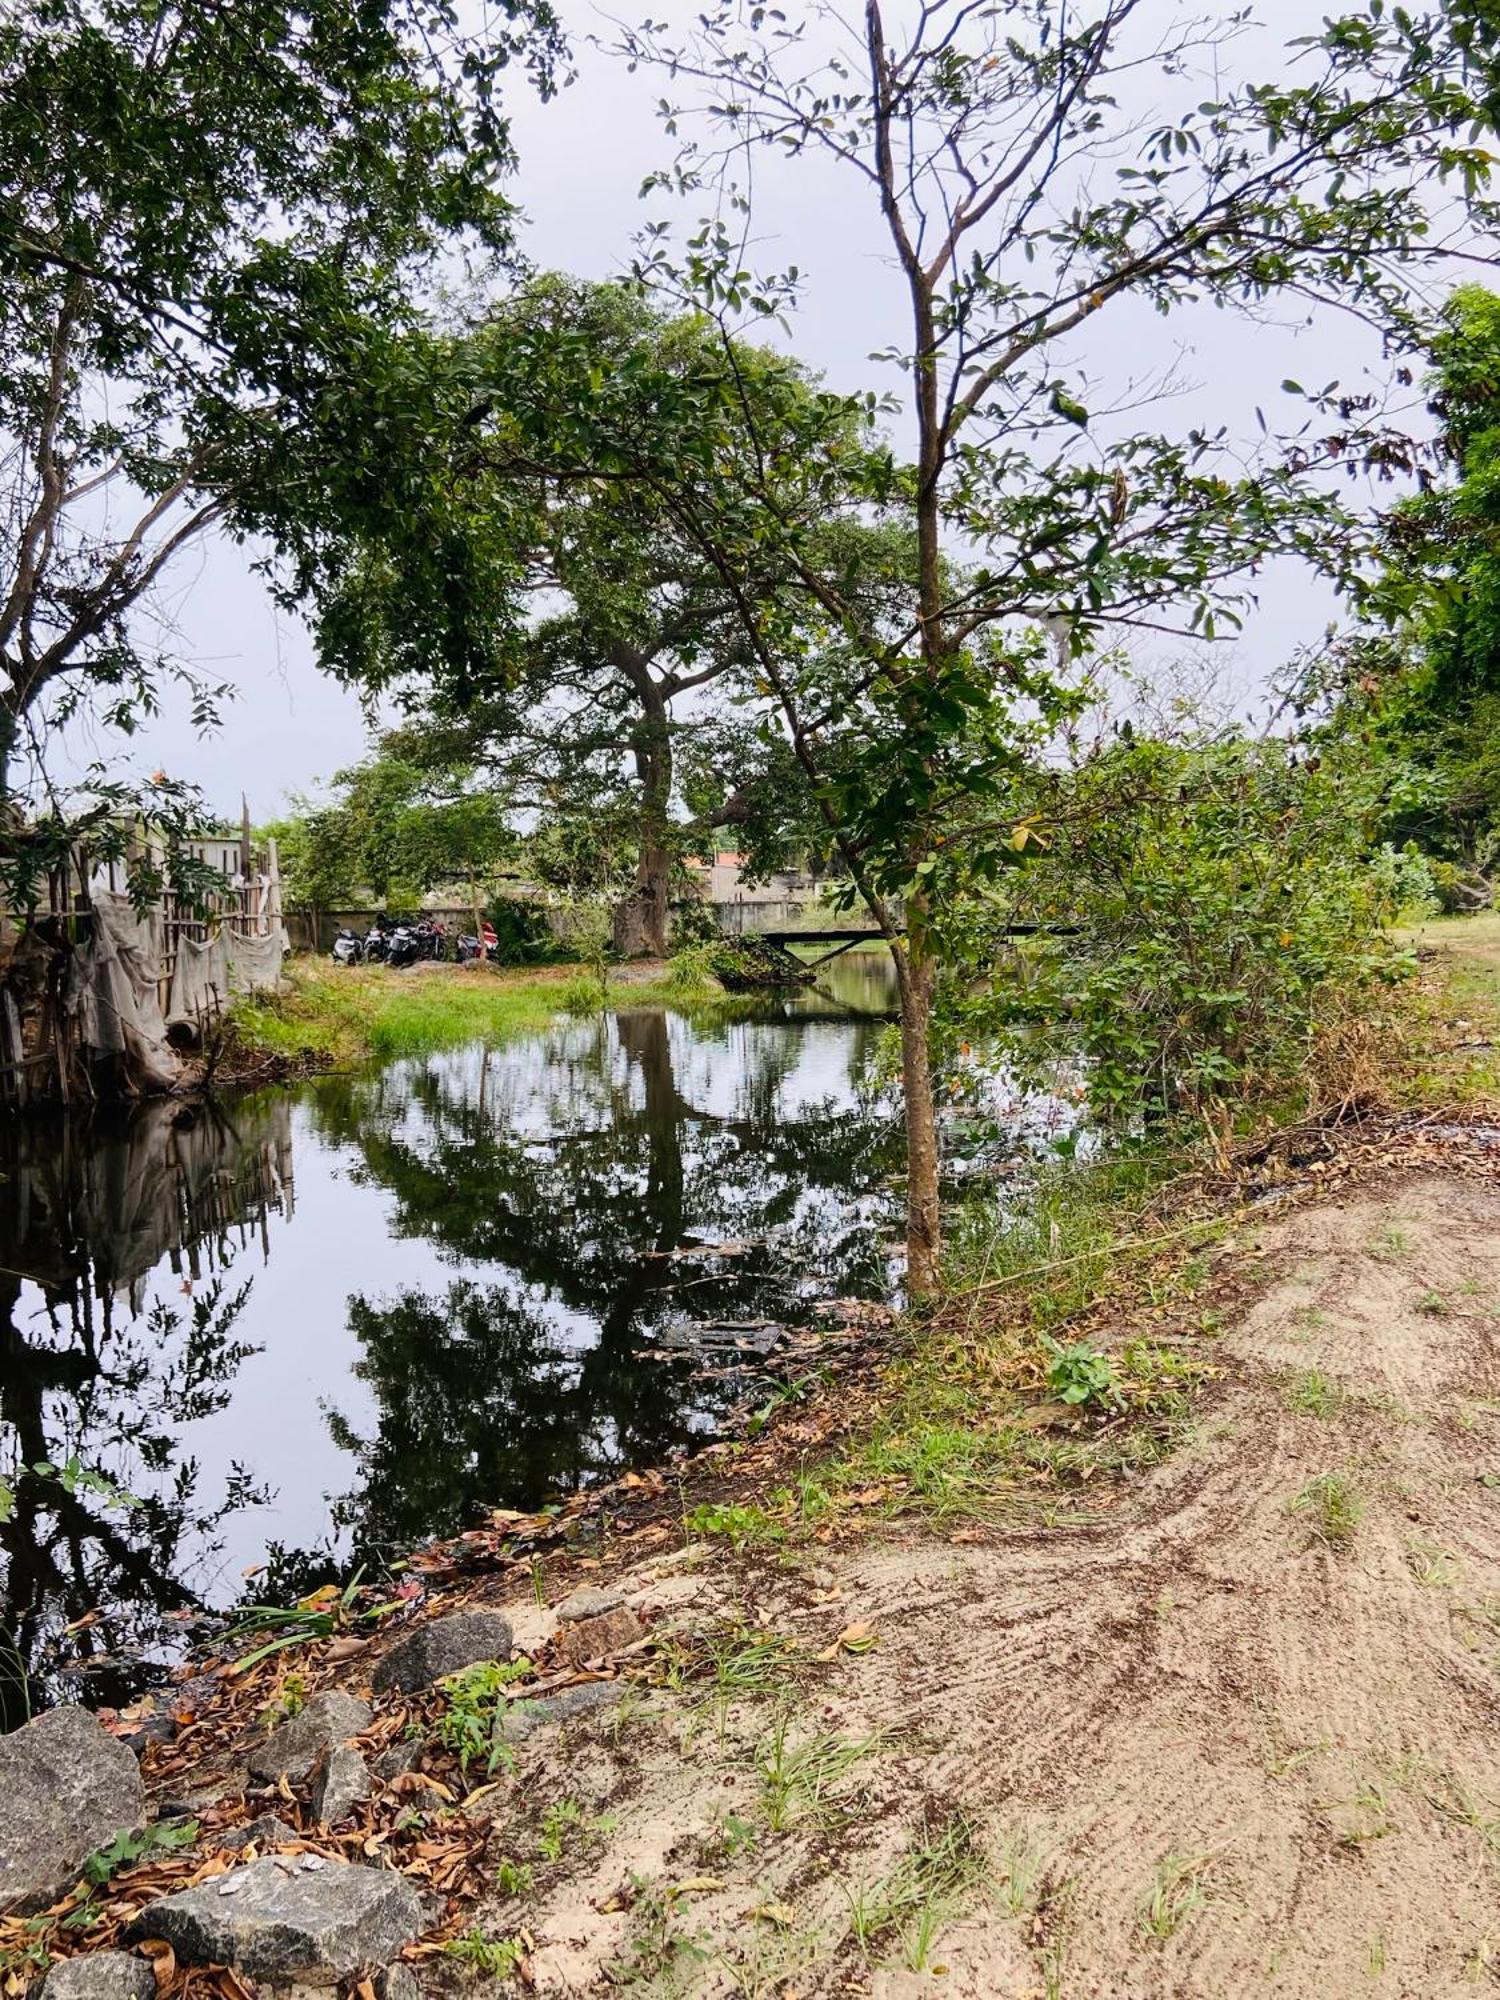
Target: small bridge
<point>845,940</point>
<point>840,941</point>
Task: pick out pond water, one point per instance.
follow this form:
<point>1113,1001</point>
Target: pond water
<point>306,1329</point>
<point>309,1327</point>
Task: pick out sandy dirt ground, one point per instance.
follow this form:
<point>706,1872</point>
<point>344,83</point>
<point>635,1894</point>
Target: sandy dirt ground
<point>1238,1733</point>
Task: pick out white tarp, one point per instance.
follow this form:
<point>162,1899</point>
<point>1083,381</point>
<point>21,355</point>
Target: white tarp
<point>210,972</point>
<point>254,962</point>
<point>111,992</point>
<point>200,979</point>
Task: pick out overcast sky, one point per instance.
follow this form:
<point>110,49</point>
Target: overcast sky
<point>582,159</point>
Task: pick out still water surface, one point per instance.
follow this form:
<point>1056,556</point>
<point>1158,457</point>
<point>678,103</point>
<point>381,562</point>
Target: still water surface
<point>309,1327</point>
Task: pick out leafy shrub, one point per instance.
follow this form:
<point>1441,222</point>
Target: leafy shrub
<point>740,1525</point>
<point>694,922</point>
<point>494,1958</point>
<point>1220,913</point>
<point>1081,1374</point>
<point>478,1701</point>
<point>524,933</point>
<point>126,1849</point>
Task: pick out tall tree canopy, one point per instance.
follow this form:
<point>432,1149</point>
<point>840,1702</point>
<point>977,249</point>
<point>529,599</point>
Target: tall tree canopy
<point>1419,680</point>
<point>216,223</point>
<point>631,689</point>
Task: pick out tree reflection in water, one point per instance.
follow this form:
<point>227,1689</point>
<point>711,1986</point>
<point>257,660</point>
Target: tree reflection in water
<point>509,1229</point>
<point>587,1166</point>
<point>90,1370</point>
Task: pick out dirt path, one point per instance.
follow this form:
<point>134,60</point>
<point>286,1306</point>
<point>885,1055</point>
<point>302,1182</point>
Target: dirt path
<point>1241,1734</point>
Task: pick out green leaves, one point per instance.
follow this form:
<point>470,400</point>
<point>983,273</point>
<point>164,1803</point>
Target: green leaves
<point>126,1850</point>
<point>1215,905</point>
<point>217,228</point>
<point>1079,1374</point>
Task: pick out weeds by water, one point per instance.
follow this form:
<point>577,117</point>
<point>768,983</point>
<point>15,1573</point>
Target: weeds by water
<point>354,1014</point>
<point>966,1434</point>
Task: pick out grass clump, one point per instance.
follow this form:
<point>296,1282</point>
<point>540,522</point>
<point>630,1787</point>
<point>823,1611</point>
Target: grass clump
<point>1178,1893</point>
<point>925,1890</point>
<point>802,1779</point>
<point>1332,1506</point>
<point>1312,1394</point>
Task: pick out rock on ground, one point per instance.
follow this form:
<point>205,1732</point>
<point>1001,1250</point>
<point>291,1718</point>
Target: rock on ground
<point>340,1782</point>
<point>294,1747</point>
<point>524,1717</point>
<point>265,1831</point>
<point>444,1647</point>
<point>591,1600</point>
<point>68,1788</point>
<point>101,1975</point>
<point>289,1918</point>
<point>596,1638</point>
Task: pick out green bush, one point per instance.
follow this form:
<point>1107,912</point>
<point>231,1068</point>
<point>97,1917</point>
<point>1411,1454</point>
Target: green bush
<point>1221,917</point>
<point>524,934</point>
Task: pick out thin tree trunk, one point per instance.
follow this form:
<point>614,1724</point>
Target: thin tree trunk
<point>478,918</point>
<point>915,977</point>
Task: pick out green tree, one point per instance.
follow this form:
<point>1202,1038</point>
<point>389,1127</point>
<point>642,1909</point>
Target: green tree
<point>640,658</point>
<point>1024,198</point>
<point>1220,927</point>
<point>395,829</point>
<point>1419,682</point>
<point>215,223</point>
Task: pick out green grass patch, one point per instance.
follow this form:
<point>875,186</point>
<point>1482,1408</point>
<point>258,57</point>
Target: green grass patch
<point>357,1014</point>
<point>1312,1394</point>
<point>1333,1507</point>
<point>993,1409</point>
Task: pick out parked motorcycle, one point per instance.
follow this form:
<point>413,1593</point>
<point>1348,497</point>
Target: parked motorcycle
<point>469,950</point>
<point>403,948</point>
<point>432,939</point>
<point>348,947</point>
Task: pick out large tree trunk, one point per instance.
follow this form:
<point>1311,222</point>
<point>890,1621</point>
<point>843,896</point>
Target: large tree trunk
<point>642,925</point>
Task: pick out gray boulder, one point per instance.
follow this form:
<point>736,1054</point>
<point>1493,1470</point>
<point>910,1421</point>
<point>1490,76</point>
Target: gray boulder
<point>340,1782</point>
<point>296,1745</point>
<point>444,1647</point>
<point>590,1600</point>
<point>398,1982</point>
<point>268,1830</point>
<point>68,1788</point>
<point>289,1918</point>
<point>101,1975</point>
<point>397,1759</point>
<point>524,1717</point>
